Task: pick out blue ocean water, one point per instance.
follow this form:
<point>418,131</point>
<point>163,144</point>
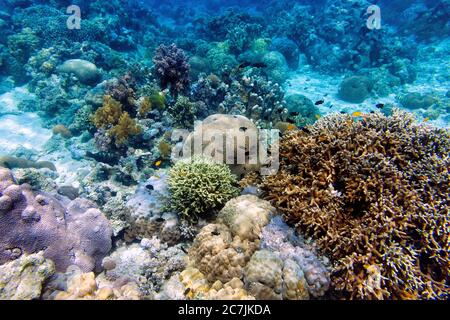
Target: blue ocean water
<point>98,99</point>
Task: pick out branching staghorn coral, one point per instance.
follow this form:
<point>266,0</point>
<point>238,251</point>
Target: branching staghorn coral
<point>374,194</point>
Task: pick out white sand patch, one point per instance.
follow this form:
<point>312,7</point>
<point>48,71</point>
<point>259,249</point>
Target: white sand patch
<point>22,130</point>
<point>9,101</point>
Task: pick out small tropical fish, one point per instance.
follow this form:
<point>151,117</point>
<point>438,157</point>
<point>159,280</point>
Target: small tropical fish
<point>244,64</point>
<point>306,130</point>
<point>158,163</point>
<point>380,106</point>
<point>318,116</point>
<point>357,114</point>
<point>426,119</point>
<point>291,126</point>
<point>319,102</point>
<point>289,120</point>
<point>259,65</point>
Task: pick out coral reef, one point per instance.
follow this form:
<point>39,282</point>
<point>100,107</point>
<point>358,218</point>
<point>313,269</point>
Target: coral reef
<point>34,221</point>
<point>373,194</point>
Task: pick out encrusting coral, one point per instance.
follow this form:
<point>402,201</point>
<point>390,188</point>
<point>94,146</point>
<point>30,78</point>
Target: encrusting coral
<point>374,194</point>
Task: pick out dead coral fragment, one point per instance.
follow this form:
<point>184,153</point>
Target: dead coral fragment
<point>375,195</point>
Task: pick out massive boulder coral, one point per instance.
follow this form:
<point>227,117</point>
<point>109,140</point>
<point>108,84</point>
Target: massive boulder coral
<point>228,126</point>
<point>86,286</point>
<point>73,233</point>
<point>374,194</point>
<point>232,250</point>
<point>355,89</point>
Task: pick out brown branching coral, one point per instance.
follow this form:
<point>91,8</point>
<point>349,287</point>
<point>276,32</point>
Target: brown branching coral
<point>118,124</point>
<point>375,195</point>
<point>108,114</point>
<point>125,128</point>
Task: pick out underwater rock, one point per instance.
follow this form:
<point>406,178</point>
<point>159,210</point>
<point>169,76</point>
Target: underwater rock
<point>14,162</point>
<point>33,221</point>
<point>417,100</point>
<point>24,278</point>
<point>355,89</point>
<point>85,71</point>
<point>70,192</point>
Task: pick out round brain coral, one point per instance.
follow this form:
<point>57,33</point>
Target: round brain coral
<point>199,186</point>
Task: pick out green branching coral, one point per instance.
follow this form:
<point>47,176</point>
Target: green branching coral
<point>21,45</point>
<point>199,186</point>
<point>184,112</point>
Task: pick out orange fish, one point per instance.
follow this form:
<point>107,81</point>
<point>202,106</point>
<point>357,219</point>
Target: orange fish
<point>158,163</point>
<point>357,114</point>
<point>426,119</point>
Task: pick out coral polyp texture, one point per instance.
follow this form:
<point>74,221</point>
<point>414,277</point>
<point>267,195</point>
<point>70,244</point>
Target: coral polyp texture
<point>73,233</point>
<point>243,245</point>
<point>374,195</point>
<point>199,186</point>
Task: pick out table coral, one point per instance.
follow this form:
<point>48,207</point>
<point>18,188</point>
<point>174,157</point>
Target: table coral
<point>374,195</point>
